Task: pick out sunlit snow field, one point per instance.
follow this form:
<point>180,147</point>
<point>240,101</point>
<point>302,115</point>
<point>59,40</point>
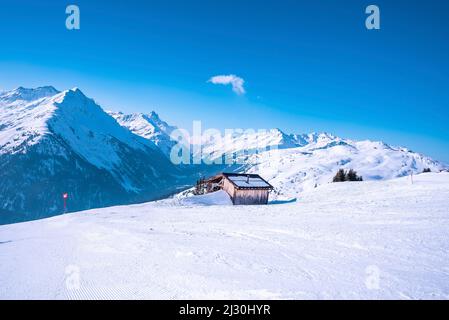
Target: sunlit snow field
<point>368,240</point>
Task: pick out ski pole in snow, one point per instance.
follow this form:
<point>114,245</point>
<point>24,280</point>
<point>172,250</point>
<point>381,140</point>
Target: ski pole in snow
<point>65,196</point>
<point>411,177</point>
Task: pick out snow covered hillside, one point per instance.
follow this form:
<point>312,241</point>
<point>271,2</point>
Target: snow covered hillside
<point>54,142</point>
<point>294,170</point>
<point>364,240</point>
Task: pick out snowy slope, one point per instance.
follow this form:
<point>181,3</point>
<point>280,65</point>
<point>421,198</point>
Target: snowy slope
<point>69,114</point>
<point>23,117</point>
<point>53,142</point>
<point>219,198</point>
<point>367,240</point>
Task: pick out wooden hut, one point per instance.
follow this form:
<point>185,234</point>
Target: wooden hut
<point>244,189</point>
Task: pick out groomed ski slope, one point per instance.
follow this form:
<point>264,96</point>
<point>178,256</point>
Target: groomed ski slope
<point>369,240</point>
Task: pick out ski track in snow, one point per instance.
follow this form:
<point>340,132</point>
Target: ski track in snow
<point>324,246</point>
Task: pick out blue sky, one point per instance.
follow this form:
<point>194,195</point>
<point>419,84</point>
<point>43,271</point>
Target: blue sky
<point>307,65</point>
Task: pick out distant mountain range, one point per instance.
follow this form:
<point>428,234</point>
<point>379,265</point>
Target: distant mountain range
<point>54,142</point>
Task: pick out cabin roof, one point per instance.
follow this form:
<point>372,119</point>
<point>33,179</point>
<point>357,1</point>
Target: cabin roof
<point>245,181</point>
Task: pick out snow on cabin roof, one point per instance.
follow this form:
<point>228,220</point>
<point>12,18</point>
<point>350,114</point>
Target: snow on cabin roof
<point>249,181</point>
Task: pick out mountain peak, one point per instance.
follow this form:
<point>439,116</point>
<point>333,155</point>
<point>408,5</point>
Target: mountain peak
<point>76,89</point>
<point>75,99</point>
<point>74,92</point>
<point>154,115</point>
<point>28,94</point>
<point>149,126</point>
<point>37,89</point>
<point>316,137</point>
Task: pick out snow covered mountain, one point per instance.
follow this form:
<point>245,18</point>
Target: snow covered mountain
<point>148,126</point>
<point>21,95</point>
<point>294,170</point>
<point>244,142</point>
<point>54,142</point>
<point>300,162</point>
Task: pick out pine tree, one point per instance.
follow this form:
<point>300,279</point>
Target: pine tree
<point>343,176</point>
<point>352,176</point>
<point>340,176</point>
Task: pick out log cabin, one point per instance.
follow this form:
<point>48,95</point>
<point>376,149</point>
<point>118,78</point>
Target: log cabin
<point>244,189</point>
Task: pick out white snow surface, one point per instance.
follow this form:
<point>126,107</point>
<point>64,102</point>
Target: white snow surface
<point>211,199</point>
<point>363,240</point>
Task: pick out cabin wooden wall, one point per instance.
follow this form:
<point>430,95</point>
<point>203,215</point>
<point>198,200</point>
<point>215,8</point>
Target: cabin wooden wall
<point>250,197</point>
<point>229,188</point>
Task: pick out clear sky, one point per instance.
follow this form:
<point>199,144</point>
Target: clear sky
<point>307,65</point>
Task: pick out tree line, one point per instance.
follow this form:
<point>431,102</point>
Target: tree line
<point>343,176</point>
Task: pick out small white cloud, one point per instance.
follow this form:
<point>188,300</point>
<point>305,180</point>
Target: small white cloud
<point>236,82</point>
